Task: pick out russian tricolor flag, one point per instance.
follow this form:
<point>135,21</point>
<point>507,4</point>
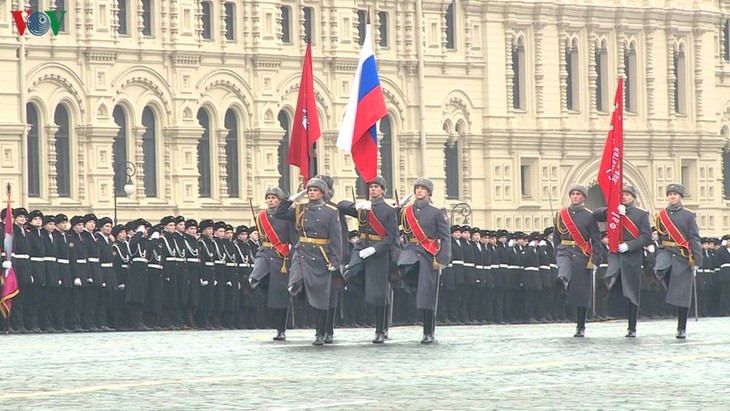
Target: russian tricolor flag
<point>358,134</point>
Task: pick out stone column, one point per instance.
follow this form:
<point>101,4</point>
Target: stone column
<point>99,167</point>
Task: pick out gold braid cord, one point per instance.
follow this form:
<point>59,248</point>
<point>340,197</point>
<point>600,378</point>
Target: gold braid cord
<point>299,213</point>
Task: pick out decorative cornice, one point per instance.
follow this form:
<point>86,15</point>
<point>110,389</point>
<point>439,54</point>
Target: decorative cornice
<point>266,62</point>
<point>99,56</point>
<point>186,59</point>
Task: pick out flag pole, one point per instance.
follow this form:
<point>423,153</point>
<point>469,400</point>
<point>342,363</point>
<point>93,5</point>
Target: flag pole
<point>7,256</point>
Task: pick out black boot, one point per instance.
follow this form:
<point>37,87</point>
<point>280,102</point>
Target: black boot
<point>379,325</point>
<point>329,334</point>
<point>428,329</point>
<point>581,313</point>
<point>682,313</point>
<point>321,327</point>
<point>633,317</point>
<point>280,335</point>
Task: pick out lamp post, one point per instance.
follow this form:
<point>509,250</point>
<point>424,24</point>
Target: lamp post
<point>129,170</point>
<point>461,208</point>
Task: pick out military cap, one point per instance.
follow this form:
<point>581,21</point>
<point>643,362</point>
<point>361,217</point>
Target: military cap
<point>77,219</point>
<point>89,217</point>
<point>47,219</point>
<point>190,223</point>
<point>252,229</point>
<point>157,228</point>
<point>502,233</point>
<point>61,218</point>
<point>628,188</point>
<point>3,214</point>
<point>546,232</point>
<point>167,220</point>
<point>219,225</point>
<point>455,228</point>
<point>726,237</point>
<point>716,241</point>
<point>379,180</point>
<point>131,225</point>
<point>675,188</point>
<point>145,223</point>
<point>274,191</point>
<point>104,221</point>
<point>465,228</point>
<point>352,233</point>
<point>521,236</point>
<point>35,213</point>
<point>484,233</point>
<point>490,233</point>
<point>425,183</point>
<point>229,227</point>
<point>476,230</point>
<point>205,224</point>
<point>179,219</point>
<point>534,236</point>
<point>317,183</point>
<point>579,188</point>
<point>704,240</point>
<point>241,229</point>
<point>117,229</point>
<point>330,183</point>
<point>17,212</point>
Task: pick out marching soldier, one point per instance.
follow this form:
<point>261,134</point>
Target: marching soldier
<point>317,253</point>
<point>231,289</point>
<point>627,262</point>
<point>378,231</point>
<point>579,235</point>
<point>155,279</point>
<point>243,272</point>
<point>49,298</point>
<point>679,254</point>
<point>273,260</point>
<point>426,253</point>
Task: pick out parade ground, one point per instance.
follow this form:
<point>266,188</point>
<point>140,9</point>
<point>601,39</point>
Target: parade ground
<point>472,367</point>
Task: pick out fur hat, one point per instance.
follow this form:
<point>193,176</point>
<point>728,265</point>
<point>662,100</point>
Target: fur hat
<point>579,188</point>
<point>379,180</point>
<point>317,183</point>
<point>274,191</point>
<point>628,188</point>
<point>676,188</point>
<point>424,182</point>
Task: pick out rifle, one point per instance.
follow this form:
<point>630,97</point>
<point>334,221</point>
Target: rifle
<point>255,221</point>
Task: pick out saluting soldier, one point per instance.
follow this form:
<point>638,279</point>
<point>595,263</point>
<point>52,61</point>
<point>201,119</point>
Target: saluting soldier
<point>318,251</point>
<point>579,235</point>
<point>679,254</point>
<point>272,262</point>
<point>426,253</point>
<point>627,263</point>
<point>378,232</point>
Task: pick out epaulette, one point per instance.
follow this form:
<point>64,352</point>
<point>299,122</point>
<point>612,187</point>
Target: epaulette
<point>588,209</point>
<point>331,206</point>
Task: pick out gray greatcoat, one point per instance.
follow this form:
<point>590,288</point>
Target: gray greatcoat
<point>268,261</point>
<point>628,265</point>
<point>673,268</point>
<point>414,259</point>
<point>318,221</point>
<point>572,262</point>
<point>376,267</point>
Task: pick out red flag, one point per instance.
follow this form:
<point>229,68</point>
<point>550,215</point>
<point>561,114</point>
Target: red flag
<point>611,173</point>
<point>7,278</point>
<point>305,130</point>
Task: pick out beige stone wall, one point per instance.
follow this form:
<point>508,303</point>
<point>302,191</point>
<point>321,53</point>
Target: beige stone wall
<point>468,94</point>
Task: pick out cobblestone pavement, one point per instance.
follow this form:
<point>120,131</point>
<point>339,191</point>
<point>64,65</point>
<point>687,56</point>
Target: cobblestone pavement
<point>471,367</point>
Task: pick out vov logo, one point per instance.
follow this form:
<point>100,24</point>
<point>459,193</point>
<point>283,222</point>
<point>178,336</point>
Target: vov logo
<point>38,23</point>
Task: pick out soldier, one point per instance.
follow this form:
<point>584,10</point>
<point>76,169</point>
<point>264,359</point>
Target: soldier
<point>272,260</point>
<point>378,231</point>
<point>63,301</point>
<point>426,253</point>
<point>231,289</point>
<point>121,257</point>
<point>579,236</point>
<point>679,254</point>
<point>172,257</point>
<point>206,251</point>
<point>627,262</point>
<point>319,249</point>
<point>49,297</point>
<point>531,278</point>
<point>219,282</point>
<point>192,269</point>
<point>91,305</point>
<point>79,273</point>
<point>109,275</point>
<point>37,271</point>
<point>136,286</point>
<point>155,279</point>
<point>243,272</point>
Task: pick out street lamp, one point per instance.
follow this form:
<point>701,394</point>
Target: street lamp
<point>129,170</point>
<point>461,208</point>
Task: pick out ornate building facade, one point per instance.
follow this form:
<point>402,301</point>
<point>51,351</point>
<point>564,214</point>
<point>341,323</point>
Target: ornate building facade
<point>503,104</point>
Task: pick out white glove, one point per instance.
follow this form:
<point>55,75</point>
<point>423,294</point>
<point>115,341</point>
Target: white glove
<point>167,279</point>
<point>140,229</point>
<point>7,264</point>
<point>442,266</point>
<point>228,283</point>
<point>694,271</point>
<point>215,282</point>
<point>155,235</point>
<point>650,248</point>
<point>90,280</point>
<point>363,205</point>
<point>332,268</point>
<point>103,284</point>
<point>623,247</point>
<point>297,196</point>
<point>367,252</point>
<point>31,279</point>
<point>77,282</point>
<point>542,243</point>
<point>510,243</point>
<point>622,209</point>
<point>239,286</point>
<point>203,282</point>
<point>121,287</point>
<point>60,282</point>
<point>723,243</point>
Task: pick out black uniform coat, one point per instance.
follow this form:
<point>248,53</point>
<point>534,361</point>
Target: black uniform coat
<point>414,259</point>
<point>310,262</point>
<point>269,262</point>
<point>21,254</point>
<point>62,258</point>
<point>106,260</point>
<point>77,258</point>
<point>377,287</point>
<point>629,265</point>
<point>37,252</point>
<point>50,261</point>
<point>671,266</point>
<point>136,286</point>
<point>572,262</point>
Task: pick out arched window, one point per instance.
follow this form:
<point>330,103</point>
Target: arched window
<point>149,152</point>
<point>601,61</point>
<point>34,165</point>
<point>630,69</point>
<point>680,81</point>
<point>232,180</point>
<point>450,43</point>
<point>572,64</point>
<point>204,154</point>
<point>63,160</point>
<point>285,179</point>
<point>519,82</point>
<point>119,151</point>
<point>451,153</point>
<point>386,153</point>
